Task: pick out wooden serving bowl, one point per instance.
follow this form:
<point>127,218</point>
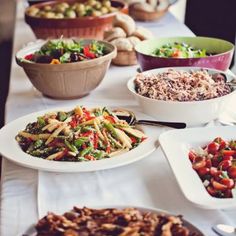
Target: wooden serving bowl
<point>82,27</point>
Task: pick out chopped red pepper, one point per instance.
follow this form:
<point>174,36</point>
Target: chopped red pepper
<point>110,118</point>
<point>228,152</point>
<point>29,57</point>
<point>89,157</point>
<point>95,141</point>
<point>86,134</point>
<point>88,53</point>
<point>61,155</point>
<point>74,122</point>
<point>143,138</point>
<point>108,149</point>
<point>133,139</point>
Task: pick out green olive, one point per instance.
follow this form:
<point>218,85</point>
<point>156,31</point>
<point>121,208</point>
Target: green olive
<point>59,9</point>
<point>91,2</point>
<point>106,4</point>
<point>59,16</point>
<point>112,9</point>
<point>49,15</point>
<point>98,6</point>
<point>80,7</point>
<point>70,14</point>
<point>33,11</point>
<point>96,13</point>
<point>47,8</point>
<point>64,4</point>
<point>104,10</point>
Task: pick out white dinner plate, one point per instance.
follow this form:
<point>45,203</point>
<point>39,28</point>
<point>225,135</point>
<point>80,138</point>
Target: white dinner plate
<point>10,149</point>
<point>176,145</point>
<point>32,232</point>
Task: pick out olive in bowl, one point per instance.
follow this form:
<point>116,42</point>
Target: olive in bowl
<point>72,18</point>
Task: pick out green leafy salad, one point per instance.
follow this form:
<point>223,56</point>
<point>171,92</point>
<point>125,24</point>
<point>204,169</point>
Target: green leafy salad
<point>179,50</point>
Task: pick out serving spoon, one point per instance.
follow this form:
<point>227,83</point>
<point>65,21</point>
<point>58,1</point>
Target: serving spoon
<point>131,119</point>
<point>224,230</point>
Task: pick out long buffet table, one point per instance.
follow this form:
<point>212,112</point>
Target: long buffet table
<point>28,194</point>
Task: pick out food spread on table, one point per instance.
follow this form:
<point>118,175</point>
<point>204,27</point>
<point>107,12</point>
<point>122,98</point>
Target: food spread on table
<point>179,50</point>
<point>79,135</point>
<point>179,85</point>
<point>76,9</point>
<point>215,164</point>
<point>112,221</point>
<point>59,51</point>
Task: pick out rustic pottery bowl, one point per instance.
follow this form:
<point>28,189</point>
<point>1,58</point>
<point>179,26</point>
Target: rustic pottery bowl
<point>221,50</point>
<point>82,27</point>
<point>190,112</point>
<point>69,80</point>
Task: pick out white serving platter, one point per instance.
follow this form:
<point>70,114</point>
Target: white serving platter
<point>10,149</point>
<point>176,145</point>
<point>32,232</point>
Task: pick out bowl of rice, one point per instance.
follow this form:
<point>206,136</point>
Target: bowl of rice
<point>192,95</point>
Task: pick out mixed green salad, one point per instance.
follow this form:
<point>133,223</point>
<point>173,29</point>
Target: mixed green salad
<point>179,50</point>
<point>79,135</point>
<point>60,51</point>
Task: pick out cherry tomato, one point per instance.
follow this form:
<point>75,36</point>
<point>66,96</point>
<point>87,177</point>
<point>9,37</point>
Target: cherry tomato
<point>228,158</point>
<point>213,147</point>
<point>203,171</point>
<point>211,191</point>
<point>232,172</point>
<point>208,163</point>
<point>224,165</point>
<point>199,164</point>
<point>218,186</point>
<point>228,182</point>
<point>228,152</point>
<point>192,156</point>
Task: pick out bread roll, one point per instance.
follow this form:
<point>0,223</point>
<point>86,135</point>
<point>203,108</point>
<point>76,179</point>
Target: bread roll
<point>143,7</point>
<point>114,33</point>
<point>125,22</point>
<point>142,33</point>
<point>122,44</point>
<point>134,40</point>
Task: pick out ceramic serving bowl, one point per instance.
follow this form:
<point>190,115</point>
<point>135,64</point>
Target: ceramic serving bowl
<point>83,27</point>
<point>192,113</point>
<point>221,50</point>
<point>69,80</point>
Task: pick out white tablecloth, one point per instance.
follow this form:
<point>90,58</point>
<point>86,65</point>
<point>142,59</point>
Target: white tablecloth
<point>28,194</point>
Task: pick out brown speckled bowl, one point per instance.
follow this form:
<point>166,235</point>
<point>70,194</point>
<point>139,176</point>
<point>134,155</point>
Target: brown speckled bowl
<point>222,53</point>
<point>84,27</point>
<point>69,80</point>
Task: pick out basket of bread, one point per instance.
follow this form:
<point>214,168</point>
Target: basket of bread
<point>125,35</point>
<point>148,10</point>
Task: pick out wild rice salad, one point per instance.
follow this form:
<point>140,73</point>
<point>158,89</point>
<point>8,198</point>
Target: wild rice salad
<point>173,85</point>
<point>102,222</point>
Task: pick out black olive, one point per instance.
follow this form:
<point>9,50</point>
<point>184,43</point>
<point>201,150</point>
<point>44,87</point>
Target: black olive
<point>43,59</point>
<point>74,57</point>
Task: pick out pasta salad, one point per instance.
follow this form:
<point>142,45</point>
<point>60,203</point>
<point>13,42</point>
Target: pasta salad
<point>79,135</point>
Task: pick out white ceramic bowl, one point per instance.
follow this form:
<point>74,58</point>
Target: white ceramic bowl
<point>192,113</point>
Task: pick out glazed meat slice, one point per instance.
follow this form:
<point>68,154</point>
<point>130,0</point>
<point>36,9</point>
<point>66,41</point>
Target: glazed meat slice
<point>111,222</point>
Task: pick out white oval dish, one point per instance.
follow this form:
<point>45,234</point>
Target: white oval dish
<point>10,149</point>
<point>192,113</point>
<point>31,231</point>
<point>176,145</point>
